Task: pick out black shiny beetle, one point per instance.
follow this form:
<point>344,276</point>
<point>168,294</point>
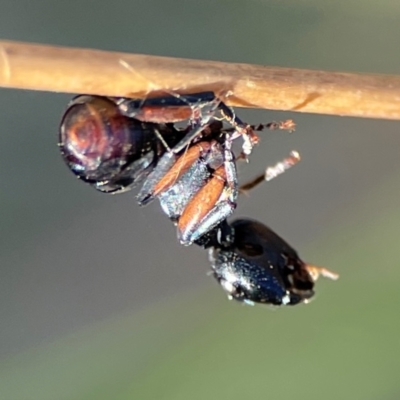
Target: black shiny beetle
<point>115,143</point>
<point>254,265</point>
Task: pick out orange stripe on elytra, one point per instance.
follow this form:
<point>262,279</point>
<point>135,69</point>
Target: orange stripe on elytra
<point>182,164</point>
<point>203,201</point>
<point>160,114</point>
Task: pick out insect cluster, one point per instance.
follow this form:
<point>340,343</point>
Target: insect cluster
<point>178,148</point>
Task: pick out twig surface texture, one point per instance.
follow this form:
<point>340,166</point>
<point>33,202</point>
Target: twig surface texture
<point>74,70</point>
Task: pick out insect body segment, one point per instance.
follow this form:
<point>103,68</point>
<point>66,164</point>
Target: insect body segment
<point>107,149</point>
<point>258,266</point>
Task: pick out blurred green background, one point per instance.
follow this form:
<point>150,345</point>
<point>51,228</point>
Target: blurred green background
<point>97,298</point>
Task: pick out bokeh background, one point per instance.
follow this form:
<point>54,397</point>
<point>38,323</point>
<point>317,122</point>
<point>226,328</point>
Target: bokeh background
<point>97,298</point>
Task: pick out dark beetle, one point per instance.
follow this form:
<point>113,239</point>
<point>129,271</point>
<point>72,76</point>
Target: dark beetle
<point>254,265</point>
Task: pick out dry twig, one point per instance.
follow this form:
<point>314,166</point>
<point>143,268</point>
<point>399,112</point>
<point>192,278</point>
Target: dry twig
<point>73,70</point>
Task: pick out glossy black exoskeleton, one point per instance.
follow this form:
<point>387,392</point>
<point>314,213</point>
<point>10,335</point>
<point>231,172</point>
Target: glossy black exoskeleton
<point>107,149</point>
<point>254,265</point>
